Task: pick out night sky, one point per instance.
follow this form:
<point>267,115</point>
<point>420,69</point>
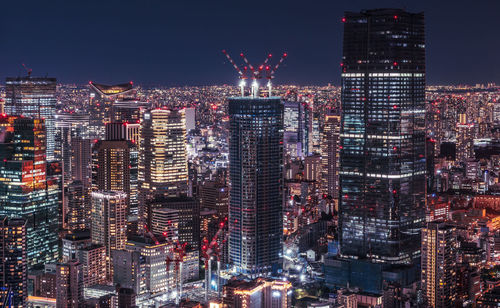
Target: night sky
<point>166,42</point>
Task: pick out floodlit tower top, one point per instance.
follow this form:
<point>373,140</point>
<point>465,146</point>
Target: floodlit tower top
<point>248,71</point>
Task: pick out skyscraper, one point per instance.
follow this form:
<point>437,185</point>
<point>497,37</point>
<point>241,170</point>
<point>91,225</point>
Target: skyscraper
<point>28,188</point>
<point>102,99</point>
<point>76,206</point>
<point>163,170</point>
<point>33,97</point>
<point>382,159</point>
<point>114,167</point>
<point>438,265</point>
<point>109,222</point>
<point>256,172</point>
<point>330,151</point>
<point>13,267</point>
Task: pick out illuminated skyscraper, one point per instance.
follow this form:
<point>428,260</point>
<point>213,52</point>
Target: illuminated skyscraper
<point>256,174</point>
<point>382,158</point>
<point>102,99</point>
<point>33,97</point>
<point>438,265</point>
<point>114,164</point>
<point>163,170</point>
<point>13,268</point>
<point>29,186</point>
<point>93,261</point>
<point>330,152</point>
<point>109,222</point>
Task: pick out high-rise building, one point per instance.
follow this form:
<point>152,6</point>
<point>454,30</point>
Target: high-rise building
<point>33,97</point>
<point>126,298</point>
<point>438,265</point>
<point>69,287</point>
<point>330,155</point>
<point>163,170</point>
<point>13,267</point>
<point>129,270</point>
<point>69,126</point>
<point>109,222</point>
<point>73,242</point>
<point>128,111</point>
<point>102,99</point>
<point>382,158</point>
<point>114,168</point>
<point>93,261</point>
<point>29,186</point>
<point>294,128</point>
<point>215,195</point>
<point>76,215</point>
<point>256,175</point>
<point>154,267</point>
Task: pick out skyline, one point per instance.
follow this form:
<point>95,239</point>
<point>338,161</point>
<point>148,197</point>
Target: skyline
<point>180,44</point>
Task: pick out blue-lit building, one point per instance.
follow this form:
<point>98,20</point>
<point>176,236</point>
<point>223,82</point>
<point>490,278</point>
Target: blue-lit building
<point>34,97</point>
<point>382,159</point>
<point>255,205</point>
<point>30,188</point>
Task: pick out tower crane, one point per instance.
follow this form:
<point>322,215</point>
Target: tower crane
<point>210,249</point>
<point>28,70</point>
<point>255,73</point>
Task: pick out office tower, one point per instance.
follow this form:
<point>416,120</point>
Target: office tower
<point>128,111</point>
<point>29,186</point>
<point>188,217</point>
<point>114,168</point>
<point>330,155</point>
<point>81,160</point>
<point>33,97</point>
<point>102,99</point>
<point>438,264</point>
<point>13,267</point>
<point>215,195</point>
<point>109,222</point>
<point>188,228</point>
<point>258,293</point>
<point>69,288</point>
<point>76,206</point>
<point>294,128</point>
<point>163,170</point>
<point>165,222</point>
<point>256,172</point>
<point>128,270</point>
<point>382,158</point>
<point>93,261</point>
<point>154,256</point>
<point>73,242</point>
<point>124,131</point>
<point>69,126</point>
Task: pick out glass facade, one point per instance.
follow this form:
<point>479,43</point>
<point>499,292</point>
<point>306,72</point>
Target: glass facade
<point>30,187</point>
<point>33,97</point>
<point>382,160</point>
<point>256,163</point>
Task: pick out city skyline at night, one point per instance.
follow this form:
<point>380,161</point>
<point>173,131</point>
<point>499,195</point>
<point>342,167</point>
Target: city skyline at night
<point>177,44</point>
<point>249,155</point>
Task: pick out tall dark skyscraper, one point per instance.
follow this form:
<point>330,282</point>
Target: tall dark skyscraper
<point>256,163</point>
<point>382,161</point>
<point>33,97</point>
